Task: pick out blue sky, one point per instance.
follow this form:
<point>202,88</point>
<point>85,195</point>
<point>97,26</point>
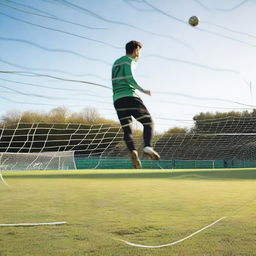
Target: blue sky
<point>189,70</point>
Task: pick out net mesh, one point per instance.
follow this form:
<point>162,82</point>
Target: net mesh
<point>37,161</point>
<point>212,143</point>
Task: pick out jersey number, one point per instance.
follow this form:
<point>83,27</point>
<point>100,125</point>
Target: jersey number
<point>115,71</point>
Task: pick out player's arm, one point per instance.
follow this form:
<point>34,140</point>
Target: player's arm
<point>131,80</point>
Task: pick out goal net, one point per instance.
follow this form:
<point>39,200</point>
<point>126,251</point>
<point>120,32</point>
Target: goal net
<point>44,146</point>
<point>37,161</point>
<point>213,143</point>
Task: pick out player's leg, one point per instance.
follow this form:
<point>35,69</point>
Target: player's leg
<point>128,138</point>
<point>128,135</point>
<point>124,114</point>
<point>143,116</point>
<point>147,135</point>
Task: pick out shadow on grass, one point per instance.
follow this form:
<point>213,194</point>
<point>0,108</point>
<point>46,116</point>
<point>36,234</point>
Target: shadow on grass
<point>241,174</point>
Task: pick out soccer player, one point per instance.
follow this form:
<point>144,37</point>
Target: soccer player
<point>128,103</point>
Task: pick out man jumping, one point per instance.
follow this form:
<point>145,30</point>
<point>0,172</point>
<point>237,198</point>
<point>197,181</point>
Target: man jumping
<point>127,103</point>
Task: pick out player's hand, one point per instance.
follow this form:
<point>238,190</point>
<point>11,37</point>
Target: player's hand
<point>148,92</point>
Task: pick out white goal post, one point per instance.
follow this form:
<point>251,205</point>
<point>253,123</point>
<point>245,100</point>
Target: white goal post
<point>37,161</point>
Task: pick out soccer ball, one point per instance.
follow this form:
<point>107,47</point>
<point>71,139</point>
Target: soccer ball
<point>193,21</point>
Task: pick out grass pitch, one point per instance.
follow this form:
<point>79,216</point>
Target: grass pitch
<point>150,207</point>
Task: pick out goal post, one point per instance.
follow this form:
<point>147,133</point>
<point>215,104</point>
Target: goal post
<point>37,161</point>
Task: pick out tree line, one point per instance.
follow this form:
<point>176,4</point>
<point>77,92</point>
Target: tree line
<point>90,116</point>
<point>91,134</point>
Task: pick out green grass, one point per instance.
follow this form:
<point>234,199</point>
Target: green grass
<point>150,207</point>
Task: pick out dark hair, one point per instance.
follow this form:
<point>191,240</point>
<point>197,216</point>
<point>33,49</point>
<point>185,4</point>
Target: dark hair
<point>131,46</point>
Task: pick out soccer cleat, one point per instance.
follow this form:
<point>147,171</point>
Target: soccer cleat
<point>135,159</point>
<point>149,151</point>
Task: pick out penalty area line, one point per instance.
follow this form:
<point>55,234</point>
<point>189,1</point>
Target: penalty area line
<point>172,243</point>
<point>33,224</point>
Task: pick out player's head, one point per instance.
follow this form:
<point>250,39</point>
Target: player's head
<point>133,49</point>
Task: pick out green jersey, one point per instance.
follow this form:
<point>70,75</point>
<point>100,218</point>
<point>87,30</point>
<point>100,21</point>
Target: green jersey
<point>123,82</point>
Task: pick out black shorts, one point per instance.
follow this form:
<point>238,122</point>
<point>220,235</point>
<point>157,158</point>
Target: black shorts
<point>127,107</point>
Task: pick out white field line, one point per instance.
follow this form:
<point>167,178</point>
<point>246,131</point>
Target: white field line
<point>2,179</point>
<point>173,243</point>
<point>32,224</point>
